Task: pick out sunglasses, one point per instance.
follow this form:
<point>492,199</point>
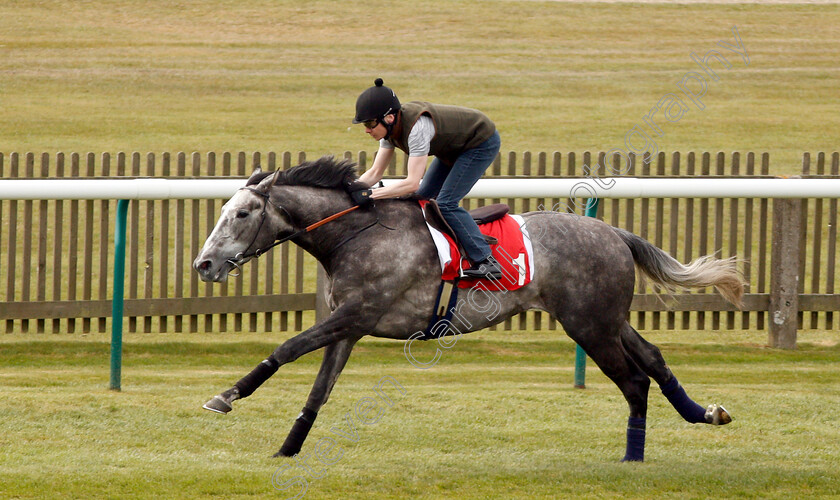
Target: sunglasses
<point>371,123</point>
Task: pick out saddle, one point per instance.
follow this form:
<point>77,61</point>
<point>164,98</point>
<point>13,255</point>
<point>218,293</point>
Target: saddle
<point>511,252</point>
<point>482,215</point>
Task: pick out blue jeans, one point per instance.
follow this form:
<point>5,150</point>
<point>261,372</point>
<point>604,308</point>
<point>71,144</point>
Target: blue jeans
<point>450,184</point>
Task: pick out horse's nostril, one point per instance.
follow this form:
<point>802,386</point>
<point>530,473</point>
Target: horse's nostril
<point>204,265</point>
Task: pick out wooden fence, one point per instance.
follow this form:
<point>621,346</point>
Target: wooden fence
<point>56,264</point>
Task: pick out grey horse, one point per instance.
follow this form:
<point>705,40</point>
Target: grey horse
<point>384,274</point>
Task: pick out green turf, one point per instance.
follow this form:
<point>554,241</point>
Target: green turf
<point>497,417</point>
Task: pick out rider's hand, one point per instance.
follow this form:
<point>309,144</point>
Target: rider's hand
<point>362,197</point>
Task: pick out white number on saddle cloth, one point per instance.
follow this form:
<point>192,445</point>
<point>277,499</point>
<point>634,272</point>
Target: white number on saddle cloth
<point>519,262</point>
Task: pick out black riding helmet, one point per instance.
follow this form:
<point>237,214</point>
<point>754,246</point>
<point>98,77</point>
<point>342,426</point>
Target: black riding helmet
<point>376,102</point>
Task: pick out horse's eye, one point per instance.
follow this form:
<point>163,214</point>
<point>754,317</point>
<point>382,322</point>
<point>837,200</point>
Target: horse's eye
<point>241,214</point>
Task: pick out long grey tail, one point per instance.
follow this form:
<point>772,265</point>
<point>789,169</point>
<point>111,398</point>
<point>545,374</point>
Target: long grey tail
<point>670,274</point>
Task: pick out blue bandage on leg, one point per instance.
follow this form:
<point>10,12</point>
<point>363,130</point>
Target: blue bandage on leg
<point>635,440</point>
<point>688,409</point>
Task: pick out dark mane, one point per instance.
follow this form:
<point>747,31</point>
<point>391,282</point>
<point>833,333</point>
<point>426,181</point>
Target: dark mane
<point>325,172</point>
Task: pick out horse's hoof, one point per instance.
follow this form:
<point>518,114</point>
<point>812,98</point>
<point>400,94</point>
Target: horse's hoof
<point>218,404</point>
<point>717,415</point>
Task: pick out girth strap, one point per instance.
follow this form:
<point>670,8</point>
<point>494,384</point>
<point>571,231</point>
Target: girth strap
<point>445,303</point>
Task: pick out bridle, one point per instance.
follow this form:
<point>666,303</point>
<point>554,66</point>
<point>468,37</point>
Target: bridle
<point>241,256</point>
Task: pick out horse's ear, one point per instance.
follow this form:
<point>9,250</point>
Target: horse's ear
<point>274,177</point>
<point>255,176</point>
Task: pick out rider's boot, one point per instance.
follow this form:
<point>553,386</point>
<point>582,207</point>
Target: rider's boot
<point>488,268</point>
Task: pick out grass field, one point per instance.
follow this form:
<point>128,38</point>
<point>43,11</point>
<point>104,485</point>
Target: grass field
<point>496,418</point>
<point>281,75</point>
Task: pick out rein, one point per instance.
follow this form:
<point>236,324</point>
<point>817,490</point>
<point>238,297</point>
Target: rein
<point>258,252</point>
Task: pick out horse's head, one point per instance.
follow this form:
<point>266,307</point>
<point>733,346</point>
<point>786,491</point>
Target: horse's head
<point>250,222</point>
<point>262,211</point>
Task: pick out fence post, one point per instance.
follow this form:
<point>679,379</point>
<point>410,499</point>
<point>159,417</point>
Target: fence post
<point>784,273</point>
<point>580,354</point>
<point>322,310</point>
<point>117,305</point>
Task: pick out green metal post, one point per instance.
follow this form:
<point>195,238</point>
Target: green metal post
<point>117,300</point>
<point>580,355</point>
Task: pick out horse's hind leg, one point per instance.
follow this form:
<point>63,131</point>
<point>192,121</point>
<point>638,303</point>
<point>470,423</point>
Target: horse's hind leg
<point>650,359</point>
<point>606,350</point>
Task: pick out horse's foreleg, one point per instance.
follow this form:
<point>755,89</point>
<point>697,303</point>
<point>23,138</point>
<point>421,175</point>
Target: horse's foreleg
<point>244,388</point>
<point>335,358</point>
<point>345,322</point>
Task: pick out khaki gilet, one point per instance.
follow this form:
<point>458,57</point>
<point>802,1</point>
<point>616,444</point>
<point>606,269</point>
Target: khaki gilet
<point>457,129</point>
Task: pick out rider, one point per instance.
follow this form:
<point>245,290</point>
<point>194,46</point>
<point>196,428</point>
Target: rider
<point>464,143</point>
